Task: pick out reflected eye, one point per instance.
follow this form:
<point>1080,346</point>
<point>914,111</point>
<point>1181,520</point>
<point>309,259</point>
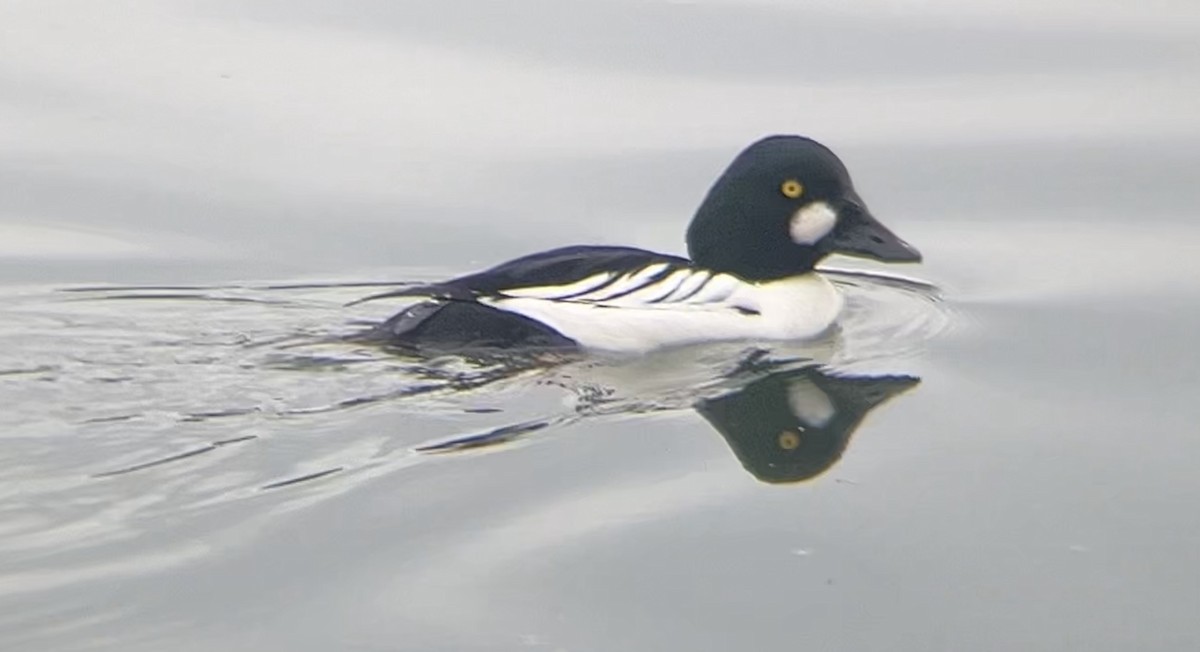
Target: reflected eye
<point>791,189</point>
<point>789,440</point>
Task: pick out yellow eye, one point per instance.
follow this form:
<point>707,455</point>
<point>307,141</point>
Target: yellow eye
<point>791,189</point>
<point>789,440</point>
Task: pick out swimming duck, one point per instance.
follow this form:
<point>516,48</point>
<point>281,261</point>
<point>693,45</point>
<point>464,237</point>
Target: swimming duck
<point>782,205</point>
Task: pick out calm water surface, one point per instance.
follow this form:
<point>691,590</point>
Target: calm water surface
<point>1000,447</point>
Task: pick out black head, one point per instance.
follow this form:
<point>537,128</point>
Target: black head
<point>785,203</point>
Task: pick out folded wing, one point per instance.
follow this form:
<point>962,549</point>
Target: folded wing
<point>615,276</point>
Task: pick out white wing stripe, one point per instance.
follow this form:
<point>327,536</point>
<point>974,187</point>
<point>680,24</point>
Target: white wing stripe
<point>652,292</point>
<point>716,289</point>
<point>683,287</point>
<point>584,285</point>
<point>690,285</point>
<point>627,283</point>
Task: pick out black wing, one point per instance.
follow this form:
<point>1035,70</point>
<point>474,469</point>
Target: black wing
<point>557,267</point>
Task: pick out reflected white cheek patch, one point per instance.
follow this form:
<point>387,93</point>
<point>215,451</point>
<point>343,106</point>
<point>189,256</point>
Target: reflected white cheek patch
<point>812,222</point>
<point>809,404</point>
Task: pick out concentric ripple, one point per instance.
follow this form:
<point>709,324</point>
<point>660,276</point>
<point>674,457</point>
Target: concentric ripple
<point>887,318</point>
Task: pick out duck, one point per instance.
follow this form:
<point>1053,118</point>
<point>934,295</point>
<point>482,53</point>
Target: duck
<point>783,204</point>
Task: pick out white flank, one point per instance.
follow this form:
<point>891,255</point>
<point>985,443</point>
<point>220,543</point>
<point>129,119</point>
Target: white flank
<point>801,307</point>
<point>812,222</point>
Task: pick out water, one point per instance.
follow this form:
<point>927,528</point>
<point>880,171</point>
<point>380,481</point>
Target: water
<point>193,456</point>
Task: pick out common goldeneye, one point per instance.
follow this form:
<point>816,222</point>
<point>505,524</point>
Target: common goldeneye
<point>783,204</point>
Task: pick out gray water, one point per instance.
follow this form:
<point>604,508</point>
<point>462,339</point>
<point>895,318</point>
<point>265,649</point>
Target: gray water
<point>193,457</point>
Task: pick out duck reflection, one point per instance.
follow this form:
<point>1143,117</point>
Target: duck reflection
<point>784,423</point>
<point>794,425</point>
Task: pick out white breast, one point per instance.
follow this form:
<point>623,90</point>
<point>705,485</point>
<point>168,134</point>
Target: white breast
<point>723,308</point>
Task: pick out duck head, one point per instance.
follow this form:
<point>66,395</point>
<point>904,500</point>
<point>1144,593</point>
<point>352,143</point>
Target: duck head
<point>782,205</point>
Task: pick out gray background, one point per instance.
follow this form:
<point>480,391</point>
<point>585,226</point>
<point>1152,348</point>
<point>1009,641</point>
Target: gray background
<point>1036,492</point>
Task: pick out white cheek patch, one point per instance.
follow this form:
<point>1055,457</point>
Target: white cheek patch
<point>812,222</point>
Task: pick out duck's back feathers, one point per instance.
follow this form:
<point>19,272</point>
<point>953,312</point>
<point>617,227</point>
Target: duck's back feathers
<point>469,312</point>
<point>560,272</point>
<point>563,267</point>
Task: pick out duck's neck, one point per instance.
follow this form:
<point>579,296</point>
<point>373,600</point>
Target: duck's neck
<point>762,267</point>
<point>803,305</point>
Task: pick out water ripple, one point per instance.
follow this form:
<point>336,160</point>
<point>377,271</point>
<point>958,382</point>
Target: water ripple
<point>158,402</point>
